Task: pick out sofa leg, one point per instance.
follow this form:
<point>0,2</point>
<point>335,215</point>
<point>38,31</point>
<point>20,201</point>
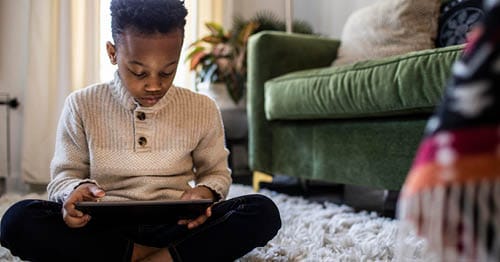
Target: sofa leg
<point>390,203</point>
<point>260,177</point>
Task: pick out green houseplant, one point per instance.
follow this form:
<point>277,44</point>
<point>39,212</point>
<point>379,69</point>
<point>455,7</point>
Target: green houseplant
<point>220,56</point>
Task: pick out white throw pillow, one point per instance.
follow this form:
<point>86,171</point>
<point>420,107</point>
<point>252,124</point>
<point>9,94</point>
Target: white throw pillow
<point>387,28</point>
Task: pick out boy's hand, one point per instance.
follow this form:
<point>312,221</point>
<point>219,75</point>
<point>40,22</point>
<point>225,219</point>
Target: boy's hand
<point>85,192</point>
<point>200,192</point>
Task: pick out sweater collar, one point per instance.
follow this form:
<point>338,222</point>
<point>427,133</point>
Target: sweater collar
<point>121,93</point>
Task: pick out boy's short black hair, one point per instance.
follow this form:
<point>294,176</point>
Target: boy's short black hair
<point>147,16</point>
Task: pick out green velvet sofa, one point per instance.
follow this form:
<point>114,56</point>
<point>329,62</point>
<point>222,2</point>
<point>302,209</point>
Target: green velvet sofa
<point>357,124</point>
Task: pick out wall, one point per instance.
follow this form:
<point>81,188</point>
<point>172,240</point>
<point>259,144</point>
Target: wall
<point>246,8</point>
<point>14,18</point>
<point>327,17</point>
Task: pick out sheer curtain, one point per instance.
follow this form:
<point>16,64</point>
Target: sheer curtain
<point>62,56</point>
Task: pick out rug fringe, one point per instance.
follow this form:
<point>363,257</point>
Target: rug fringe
<point>456,223</point>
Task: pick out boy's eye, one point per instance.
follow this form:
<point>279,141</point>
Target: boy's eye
<point>163,74</point>
<point>140,74</point>
<point>137,74</point>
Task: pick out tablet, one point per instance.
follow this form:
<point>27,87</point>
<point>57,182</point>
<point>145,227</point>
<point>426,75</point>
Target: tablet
<point>144,212</point>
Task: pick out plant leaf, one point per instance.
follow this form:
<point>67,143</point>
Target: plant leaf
<point>247,31</point>
<point>212,39</point>
<point>195,43</point>
<point>196,59</point>
<point>215,29</point>
<point>194,52</point>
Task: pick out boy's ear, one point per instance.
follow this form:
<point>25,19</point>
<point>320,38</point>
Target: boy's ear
<point>111,49</point>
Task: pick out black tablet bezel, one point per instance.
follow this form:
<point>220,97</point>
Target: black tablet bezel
<point>144,212</point>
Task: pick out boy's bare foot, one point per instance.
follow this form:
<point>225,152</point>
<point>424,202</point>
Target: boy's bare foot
<point>145,253</point>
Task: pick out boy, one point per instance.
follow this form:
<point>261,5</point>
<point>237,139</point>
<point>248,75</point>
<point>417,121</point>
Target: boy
<point>140,138</point>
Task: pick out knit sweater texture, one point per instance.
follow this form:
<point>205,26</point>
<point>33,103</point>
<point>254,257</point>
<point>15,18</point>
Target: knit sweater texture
<point>139,153</point>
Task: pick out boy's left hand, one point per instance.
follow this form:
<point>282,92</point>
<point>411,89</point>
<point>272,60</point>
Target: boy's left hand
<point>199,192</point>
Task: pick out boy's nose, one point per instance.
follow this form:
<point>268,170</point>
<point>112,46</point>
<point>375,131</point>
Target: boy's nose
<point>153,85</point>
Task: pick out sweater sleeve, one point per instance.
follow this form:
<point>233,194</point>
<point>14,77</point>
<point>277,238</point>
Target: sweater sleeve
<point>70,164</point>
<point>211,156</point>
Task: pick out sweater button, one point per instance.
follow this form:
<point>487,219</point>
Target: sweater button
<point>142,141</point>
<point>141,115</point>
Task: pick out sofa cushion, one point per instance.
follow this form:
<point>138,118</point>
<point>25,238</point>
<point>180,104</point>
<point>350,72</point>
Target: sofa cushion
<point>388,27</point>
<point>404,84</point>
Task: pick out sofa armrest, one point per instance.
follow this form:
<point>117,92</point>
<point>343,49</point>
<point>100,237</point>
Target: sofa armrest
<point>271,54</point>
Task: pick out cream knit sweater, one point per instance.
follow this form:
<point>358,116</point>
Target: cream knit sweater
<point>138,153</point>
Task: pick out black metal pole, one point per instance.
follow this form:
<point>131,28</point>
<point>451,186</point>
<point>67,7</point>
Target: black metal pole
<point>11,104</point>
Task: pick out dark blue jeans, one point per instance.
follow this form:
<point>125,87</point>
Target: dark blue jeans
<point>34,230</point>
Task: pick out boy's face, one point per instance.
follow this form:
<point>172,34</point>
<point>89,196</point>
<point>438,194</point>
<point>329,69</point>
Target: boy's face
<point>147,63</point>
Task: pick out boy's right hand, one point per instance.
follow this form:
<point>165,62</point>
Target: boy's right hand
<point>85,192</point>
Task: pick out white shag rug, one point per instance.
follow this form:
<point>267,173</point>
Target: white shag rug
<point>310,231</point>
